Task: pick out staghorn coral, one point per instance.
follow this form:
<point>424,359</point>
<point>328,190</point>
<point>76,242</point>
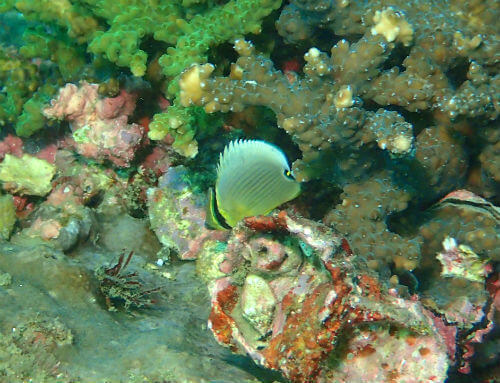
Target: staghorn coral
<point>328,128</point>
<point>425,83</point>
<point>344,142</point>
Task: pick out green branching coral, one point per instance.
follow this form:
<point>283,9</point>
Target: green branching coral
<point>183,124</point>
<point>189,34</point>
<point>12,73</point>
<point>118,31</point>
<point>68,56</point>
<point>220,24</point>
<point>31,118</point>
<point>72,16</point>
<point>190,38</point>
<point>217,25</point>
<point>130,24</point>
<point>20,79</point>
<point>179,123</point>
<point>28,86</point>
<point>7,5</point>
<point>32,74</point>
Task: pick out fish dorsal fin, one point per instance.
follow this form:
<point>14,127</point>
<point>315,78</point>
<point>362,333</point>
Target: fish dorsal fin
<point>240,152</point>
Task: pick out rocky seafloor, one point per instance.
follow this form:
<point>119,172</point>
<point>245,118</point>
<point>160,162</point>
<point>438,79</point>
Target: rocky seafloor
<point>384,269</point>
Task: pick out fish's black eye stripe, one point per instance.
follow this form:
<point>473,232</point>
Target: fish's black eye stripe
<point>218,216</point>
<point>288,174</point>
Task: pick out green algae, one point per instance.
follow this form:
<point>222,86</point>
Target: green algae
<point>7,216</point>
<point>207,265</point>
<point>117,31</point>
<point>27,175</point>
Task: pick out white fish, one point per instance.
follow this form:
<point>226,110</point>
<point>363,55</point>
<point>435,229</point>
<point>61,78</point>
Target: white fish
<point>253,178</point>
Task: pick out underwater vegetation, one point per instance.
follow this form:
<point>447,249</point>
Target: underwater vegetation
<point>346,152</point>
<point>119,286</point>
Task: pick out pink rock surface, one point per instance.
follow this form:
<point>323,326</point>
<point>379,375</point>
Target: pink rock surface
<point>100,125</point>
<point>11,145</point>
<point>329,307</point>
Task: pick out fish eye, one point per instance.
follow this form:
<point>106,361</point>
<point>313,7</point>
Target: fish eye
<point>288,174</point>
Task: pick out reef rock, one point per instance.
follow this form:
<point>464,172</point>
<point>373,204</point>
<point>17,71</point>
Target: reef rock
<point>290,293</point>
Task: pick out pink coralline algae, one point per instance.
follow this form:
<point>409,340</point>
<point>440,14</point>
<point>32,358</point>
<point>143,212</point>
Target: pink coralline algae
<point>14,145</point>
<point>295,299</point>
<point>100,125</point>
<point>61,221</point>
<point>11,145</point>
<point>157,162</point>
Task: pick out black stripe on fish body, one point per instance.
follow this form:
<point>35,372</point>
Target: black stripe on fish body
<point>215,220</point>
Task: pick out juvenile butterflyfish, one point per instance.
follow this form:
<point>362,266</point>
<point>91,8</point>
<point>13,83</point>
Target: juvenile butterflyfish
<point>253,178</point>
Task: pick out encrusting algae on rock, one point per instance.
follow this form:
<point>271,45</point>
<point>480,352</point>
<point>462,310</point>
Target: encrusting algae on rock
<point>7,216</point>
<point>297,319</point>
<point>460,261</point>
<point>27,175</point>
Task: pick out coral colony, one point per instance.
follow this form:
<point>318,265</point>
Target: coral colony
<point>126,249</point>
